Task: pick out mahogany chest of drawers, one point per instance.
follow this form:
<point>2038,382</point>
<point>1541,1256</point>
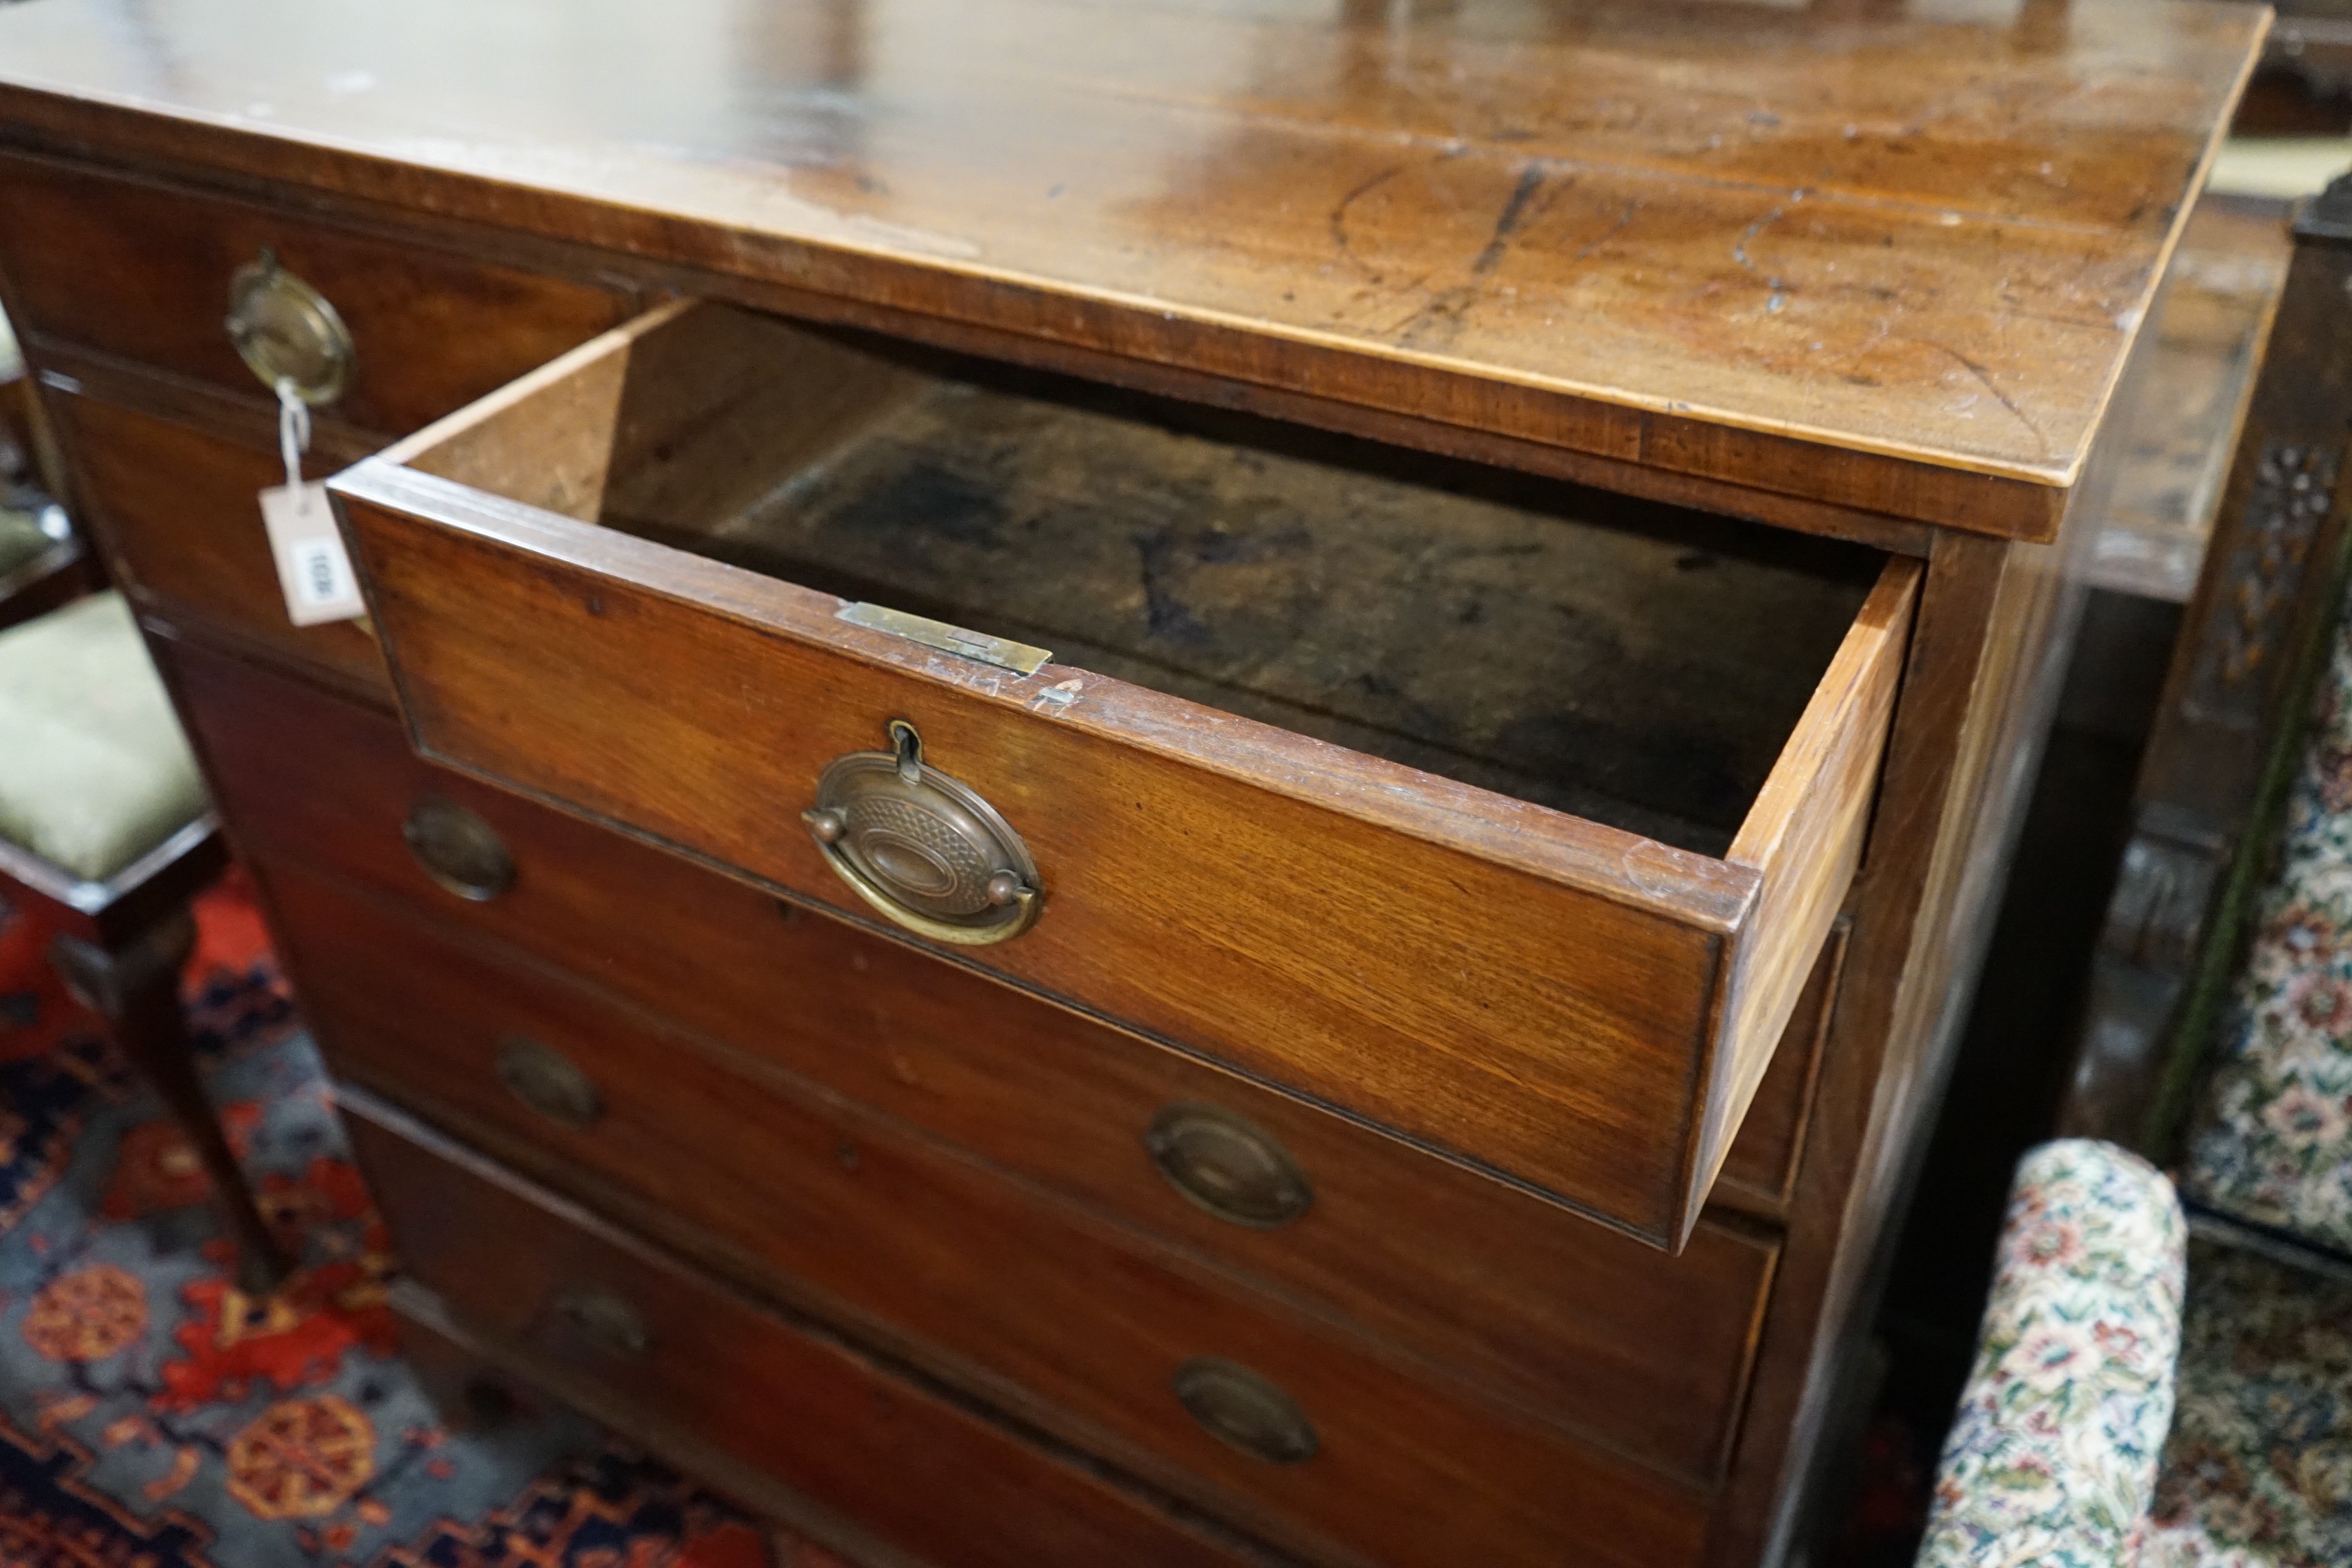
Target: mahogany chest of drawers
<point>1192,784</point>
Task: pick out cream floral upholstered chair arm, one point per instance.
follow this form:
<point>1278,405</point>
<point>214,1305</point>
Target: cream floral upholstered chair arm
<point>2052,1458</point>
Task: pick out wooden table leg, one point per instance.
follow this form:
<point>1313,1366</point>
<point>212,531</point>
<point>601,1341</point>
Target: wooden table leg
<point>136,989</point>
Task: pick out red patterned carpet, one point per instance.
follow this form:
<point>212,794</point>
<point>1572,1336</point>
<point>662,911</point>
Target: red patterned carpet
<point>153,1416</point>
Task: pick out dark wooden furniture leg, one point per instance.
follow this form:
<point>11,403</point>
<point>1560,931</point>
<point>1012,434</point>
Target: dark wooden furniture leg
<point>135,987</point>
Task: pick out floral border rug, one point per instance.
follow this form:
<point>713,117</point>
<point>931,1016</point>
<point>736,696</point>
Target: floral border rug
<point>153,1416</point>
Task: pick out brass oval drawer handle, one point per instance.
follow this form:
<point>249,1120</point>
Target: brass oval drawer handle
<point>1243,1409</point>
<point>1228,1165</point>
<point>462,854</point>
<point>548,1081</point>
<point>605,1321</point>
<point>921,847</point>
<point>286,331</point>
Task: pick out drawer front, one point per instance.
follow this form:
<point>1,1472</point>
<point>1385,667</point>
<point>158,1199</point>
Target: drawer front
<point>924,1473</point>
<point>1577,1008</point>
<point>143,272</point>
<point>1073,1323</point>
<point>1648,1352</point>
<point>175,508</point>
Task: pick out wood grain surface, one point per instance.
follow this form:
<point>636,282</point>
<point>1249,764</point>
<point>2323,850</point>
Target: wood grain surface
<point>1193,856</point>
<point>1995,625</point>
<point>141,272</point>
<point>785,1395</point>
<point>176,509</point>
<point>1646,1354</point>
<point>1635,664</point>
<point>1878,259</point>
<point>1853,269</point>
<point>1076,1325</point>
<point>1759,1174</point>
<point>1805,835</point>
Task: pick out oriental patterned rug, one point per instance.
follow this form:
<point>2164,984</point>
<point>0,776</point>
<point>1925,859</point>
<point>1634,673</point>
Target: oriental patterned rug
<point>153,1416</point>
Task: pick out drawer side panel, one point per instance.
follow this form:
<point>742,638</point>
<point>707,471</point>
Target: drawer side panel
<point>1805,835</point>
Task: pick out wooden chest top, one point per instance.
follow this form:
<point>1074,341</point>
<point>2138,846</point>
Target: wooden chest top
<point>1892,262</point>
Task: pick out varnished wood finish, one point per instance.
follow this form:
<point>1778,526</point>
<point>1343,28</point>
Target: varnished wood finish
<point>1075,1324</point>
<point>1804,836</point>
<point>477,1381</point>
<point>1889,262</point>
<point>1984,673</point>
<point>1759,1174</point>
<point>1638,665</point>
<point>1852,271</point>
<point>767,1390</point>
<point>561,657</point>
<point>1648,1354</point>
<point>177,512</point>
<point>1987,657</point>
<point>141,271</point>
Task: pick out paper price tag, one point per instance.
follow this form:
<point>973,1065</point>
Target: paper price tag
<point>311,566</point>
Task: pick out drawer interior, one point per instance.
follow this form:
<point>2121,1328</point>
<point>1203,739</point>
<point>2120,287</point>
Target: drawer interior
<point>1602,770</point>
<point>1628,662</point>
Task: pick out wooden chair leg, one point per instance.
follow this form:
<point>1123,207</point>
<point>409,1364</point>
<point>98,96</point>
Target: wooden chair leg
<point>136,989</point>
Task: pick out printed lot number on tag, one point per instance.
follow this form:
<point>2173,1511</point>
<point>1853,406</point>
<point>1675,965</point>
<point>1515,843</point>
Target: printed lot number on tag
<point>313,569</point>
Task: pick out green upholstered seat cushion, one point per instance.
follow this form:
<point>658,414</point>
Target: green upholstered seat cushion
<point>94,769</point>
<point>21,538</point>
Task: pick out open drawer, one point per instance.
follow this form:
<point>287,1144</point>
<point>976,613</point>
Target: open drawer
<point>1500,815</point>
